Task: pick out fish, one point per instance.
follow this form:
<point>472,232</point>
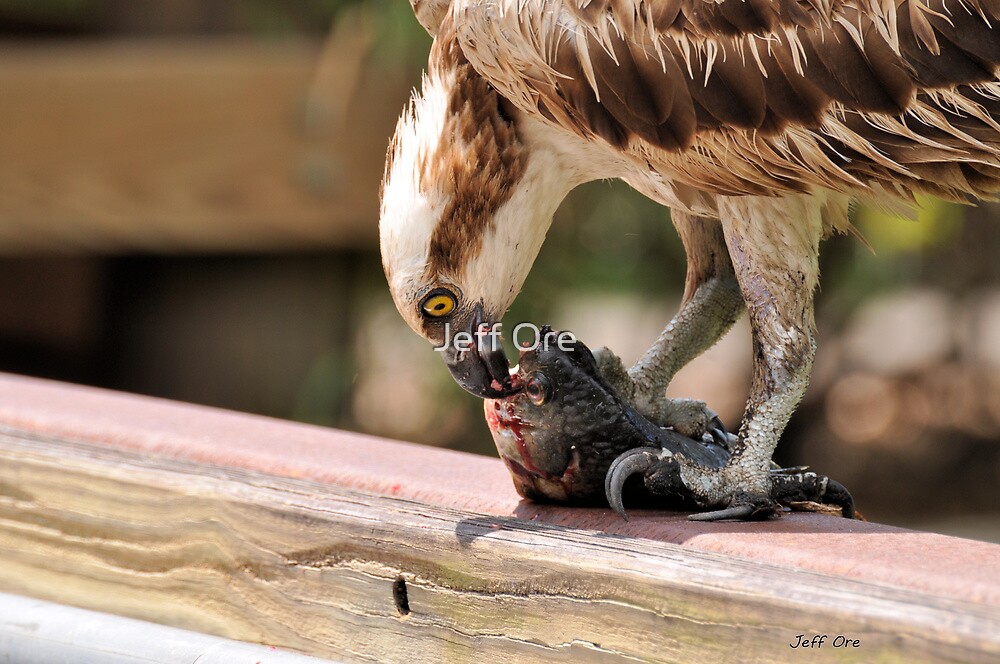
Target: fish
<point>569,436</point>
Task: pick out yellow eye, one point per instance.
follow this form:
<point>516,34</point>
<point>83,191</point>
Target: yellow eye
<point>437,304</point>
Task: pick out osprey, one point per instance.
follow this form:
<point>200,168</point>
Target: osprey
<point>755,121</point>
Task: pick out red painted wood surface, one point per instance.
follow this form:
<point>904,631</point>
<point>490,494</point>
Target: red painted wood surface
<point>961,569</point>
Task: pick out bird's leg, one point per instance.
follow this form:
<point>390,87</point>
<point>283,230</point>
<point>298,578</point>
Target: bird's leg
<point>774,245</point>
<point>712,302</point>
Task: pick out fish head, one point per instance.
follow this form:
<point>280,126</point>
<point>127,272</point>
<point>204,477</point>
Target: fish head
<point>560,432</point>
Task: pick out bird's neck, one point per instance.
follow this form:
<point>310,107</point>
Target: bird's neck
<point>519,225</point>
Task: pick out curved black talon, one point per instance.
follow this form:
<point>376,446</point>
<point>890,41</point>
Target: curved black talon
<point>837,494</point>
<point>717,430</point>
<point>788,471</point>
<point>738,512</point>
<point>637,460</point>
<point>744,507</point>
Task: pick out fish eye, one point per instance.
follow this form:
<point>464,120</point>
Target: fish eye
<point>438,303</point>
<point>538,389</point>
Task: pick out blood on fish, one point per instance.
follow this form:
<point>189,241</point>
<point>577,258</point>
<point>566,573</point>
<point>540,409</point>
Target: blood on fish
<point>503,416</point>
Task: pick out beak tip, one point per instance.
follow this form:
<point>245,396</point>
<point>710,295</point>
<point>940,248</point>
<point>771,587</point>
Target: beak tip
<point>483,369</point>
<point>486,378</point>
<point>494,390</point>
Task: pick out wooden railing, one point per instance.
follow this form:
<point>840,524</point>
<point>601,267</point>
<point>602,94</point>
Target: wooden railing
<point>350,547</point>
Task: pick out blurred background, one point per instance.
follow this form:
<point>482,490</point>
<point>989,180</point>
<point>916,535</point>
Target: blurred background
<point>188,209</point>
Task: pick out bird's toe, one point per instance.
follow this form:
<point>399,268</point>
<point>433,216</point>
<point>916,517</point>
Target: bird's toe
<point>659,469</point>
<point>801,489</point>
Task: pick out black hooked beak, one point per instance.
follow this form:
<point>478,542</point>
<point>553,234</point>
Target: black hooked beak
<point>483,369</point>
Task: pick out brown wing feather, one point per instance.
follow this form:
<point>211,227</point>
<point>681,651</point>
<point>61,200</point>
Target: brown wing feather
<point>957,59</point>
<point>731,94</point>
<point>583,108</point>
<point>791,96</point>
<point>622,88</point>
<point>843,92</point>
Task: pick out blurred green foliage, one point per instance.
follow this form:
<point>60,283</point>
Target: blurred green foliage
<point>935,222</point>
<point>605,238</point>
<point>397,33</point>
<point>922,246</point>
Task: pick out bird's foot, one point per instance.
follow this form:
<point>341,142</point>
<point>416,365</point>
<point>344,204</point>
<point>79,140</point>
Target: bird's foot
<point>689,417</point>
<point>663,476</point>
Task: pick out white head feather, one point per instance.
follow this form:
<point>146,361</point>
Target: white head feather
<point>444,150</point>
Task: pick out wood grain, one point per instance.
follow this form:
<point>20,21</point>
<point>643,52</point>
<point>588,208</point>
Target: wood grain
<point>218,145</point>
<point>312,566</point>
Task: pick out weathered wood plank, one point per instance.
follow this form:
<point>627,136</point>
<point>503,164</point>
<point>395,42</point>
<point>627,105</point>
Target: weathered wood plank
<point>925,562</point>
<point>189,145</point>
<point>161,511</point>
<point>312,566</point>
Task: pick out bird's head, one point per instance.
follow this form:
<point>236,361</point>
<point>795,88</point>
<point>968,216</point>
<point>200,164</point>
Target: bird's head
<point>466,202</point>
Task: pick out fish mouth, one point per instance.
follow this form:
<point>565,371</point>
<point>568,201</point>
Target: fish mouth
<point>509,433</point>
<point>542,486</point>
<point>572,466</point>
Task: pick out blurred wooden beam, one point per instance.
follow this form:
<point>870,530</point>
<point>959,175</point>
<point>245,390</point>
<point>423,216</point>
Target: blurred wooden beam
<point>187,145</point>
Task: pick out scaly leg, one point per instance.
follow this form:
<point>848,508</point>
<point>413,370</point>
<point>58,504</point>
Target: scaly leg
<point>774,245</point>
<point>712,302</point>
